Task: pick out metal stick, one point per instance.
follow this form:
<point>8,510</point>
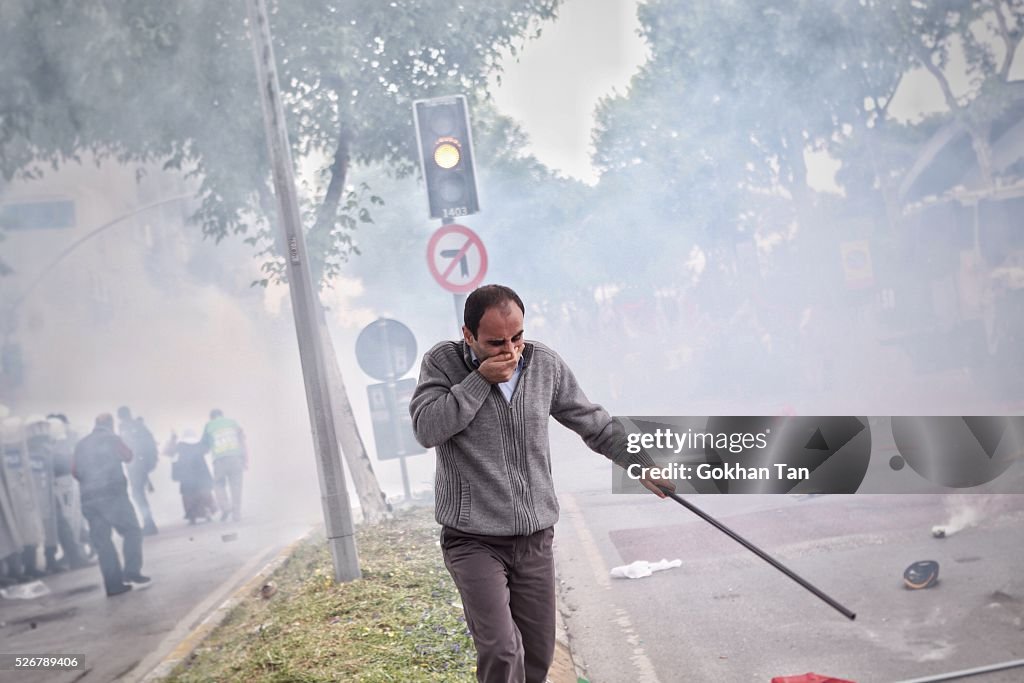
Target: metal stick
<point>760,553</point>
<point>965,673</point>
<point>333,493</point>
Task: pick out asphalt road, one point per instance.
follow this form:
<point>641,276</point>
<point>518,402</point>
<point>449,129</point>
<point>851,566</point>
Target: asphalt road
<point>726,615</point>
<point>193,569</point>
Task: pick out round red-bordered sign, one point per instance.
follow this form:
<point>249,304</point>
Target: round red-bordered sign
<point>457,258</point>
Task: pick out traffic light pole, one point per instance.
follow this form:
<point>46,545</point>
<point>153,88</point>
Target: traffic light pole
<point>333,493</point>
<point>460,307</point>
<point>459,299</point>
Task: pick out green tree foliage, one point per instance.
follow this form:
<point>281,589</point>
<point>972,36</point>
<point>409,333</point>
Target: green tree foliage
<point>532,222</point>
<point>144,81</point>
<point>735,93</point>
<point>708,150</point>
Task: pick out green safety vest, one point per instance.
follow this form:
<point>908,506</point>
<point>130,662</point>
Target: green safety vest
<point>225,437</point>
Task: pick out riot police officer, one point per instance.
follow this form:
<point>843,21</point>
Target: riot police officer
<point>21,491</point>
<point>10,534</point>
<point>68,504</point>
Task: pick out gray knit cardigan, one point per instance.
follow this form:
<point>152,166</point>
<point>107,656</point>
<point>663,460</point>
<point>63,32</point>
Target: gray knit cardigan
<point>493,456</point>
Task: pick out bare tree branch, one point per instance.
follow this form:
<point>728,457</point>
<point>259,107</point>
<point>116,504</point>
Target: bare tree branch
<point>979,137</point>
<point>1011,41</point>
<point>882,111</point>
<point>924,57</point>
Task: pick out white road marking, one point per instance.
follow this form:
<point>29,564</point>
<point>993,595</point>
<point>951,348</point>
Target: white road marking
<point>643,665</point>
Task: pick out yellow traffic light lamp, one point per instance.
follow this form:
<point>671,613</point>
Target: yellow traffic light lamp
<point>446,156</point>
<point>447,153</point>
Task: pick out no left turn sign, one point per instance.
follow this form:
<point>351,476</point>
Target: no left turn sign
<point>457,258</point>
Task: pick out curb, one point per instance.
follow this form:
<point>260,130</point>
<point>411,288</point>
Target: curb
<point>188,645</point>
<point>564,668</point>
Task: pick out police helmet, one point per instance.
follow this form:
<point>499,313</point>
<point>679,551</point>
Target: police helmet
<point>36,426</point>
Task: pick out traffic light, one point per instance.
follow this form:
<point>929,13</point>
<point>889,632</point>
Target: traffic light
<point>446,155</point>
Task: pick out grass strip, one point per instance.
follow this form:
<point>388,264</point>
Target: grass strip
<point>401,622</point>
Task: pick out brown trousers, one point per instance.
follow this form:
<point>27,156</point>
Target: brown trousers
<point>507,584</point>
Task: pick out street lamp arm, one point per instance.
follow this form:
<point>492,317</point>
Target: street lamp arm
<point>82,240</point>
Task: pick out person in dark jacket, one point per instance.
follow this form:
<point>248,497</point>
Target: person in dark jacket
<point>97,464</point>
<point>143,446</point>
<point>192,473</point>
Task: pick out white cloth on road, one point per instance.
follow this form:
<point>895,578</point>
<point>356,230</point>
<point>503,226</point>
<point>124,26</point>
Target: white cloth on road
<point>25,591</point>
<point>642,568</point>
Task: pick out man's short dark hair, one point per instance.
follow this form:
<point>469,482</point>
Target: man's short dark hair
<point>486,297</point>
<point>124,412</point>
<point>215,413</point>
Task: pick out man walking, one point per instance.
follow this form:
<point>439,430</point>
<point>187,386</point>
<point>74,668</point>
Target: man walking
<point>97,465</point>
<point>143,447</point>
<point>230,456</point>
<point>484,404</point>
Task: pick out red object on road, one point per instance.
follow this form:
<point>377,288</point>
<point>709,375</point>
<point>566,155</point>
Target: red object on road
<point>809,678</point>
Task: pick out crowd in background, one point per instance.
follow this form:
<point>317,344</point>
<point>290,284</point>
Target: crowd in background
<point>62,495</point>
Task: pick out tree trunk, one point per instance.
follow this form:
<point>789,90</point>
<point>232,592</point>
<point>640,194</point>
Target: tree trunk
<point>372,500</point>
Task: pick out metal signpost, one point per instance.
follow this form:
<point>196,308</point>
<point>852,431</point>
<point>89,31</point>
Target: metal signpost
<point>386,350</point>
<point>333,494</point>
